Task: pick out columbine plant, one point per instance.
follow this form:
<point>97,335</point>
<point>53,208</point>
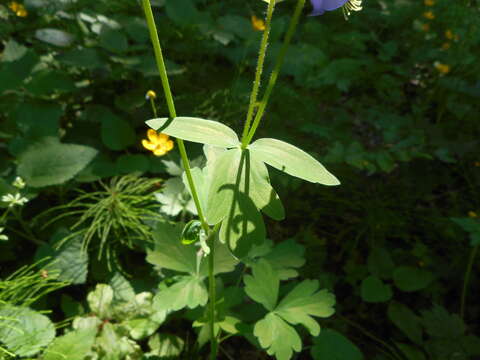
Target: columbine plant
<point>230,194</point>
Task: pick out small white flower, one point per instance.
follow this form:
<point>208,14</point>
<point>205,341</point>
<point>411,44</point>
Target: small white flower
<point>13,200</point>
<point>18,183</point>
<point>3,237</point>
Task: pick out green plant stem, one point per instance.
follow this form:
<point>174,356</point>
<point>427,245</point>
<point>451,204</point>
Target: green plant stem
<point>276,70</point>
<point>171,107</point>
<point>212,293</point>
<point>466,280</point>
<point>259,71</point>
<point>154,109</point>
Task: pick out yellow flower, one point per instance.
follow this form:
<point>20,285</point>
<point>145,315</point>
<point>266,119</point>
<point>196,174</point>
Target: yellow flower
<point>472,214</point>
<point>426,27</point>
<point>442,68</point>
<point>151,95</point>
<point>477,163</point>
<point>429,15</point>
<point>446,46</point>
<point>257,23</point>
<point>429,2</point>
<point>18,9</point>
<point>157,143</point>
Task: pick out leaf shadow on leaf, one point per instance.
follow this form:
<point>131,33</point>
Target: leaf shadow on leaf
<point>164,126</point>
<point>244,225</point>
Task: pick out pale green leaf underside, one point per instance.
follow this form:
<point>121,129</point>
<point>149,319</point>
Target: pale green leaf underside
<point>262,286</point>
<point>279,338</point>
<point>290,159</point>
<point>303,302</point>
<point>196,130</point>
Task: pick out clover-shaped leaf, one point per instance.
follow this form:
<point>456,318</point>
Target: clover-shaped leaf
<point>299,306</point>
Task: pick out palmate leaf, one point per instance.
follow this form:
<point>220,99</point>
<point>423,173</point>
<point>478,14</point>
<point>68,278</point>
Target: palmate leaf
<point>279,338</point>
<point>262,286</point>
<point>274,331</point>
<point>196,130</point>
<point>170,253</point>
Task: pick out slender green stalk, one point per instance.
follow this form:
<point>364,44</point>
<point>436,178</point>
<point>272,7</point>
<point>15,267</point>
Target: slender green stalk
<point>171,106</point>
<point>154,108</point>
<point>466,280</point>
<point>258,73</point>
<point>276,71</point>
<point>212,293</point>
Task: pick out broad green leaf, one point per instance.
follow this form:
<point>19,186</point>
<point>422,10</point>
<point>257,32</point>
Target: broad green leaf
<point>439,323</point>
<point>196,130</point>
<point>182,12</point>
<point>132,163</point>
<point>166,346</point>
<point>174,197</point>
<point>50,162</point>
<point>117,133</point>
<point>122,290</point>
<point>243,227</point>
<point>13,51</point>
<point>115,345</point>
<point>406,320</point>
<point>141,328</point>
<point>70,261</point>
<point>222,178</point>
<point>113,40</point>
<point>189,292</point>
<point>305,301</point>
<point>48,82</point>
<point>71,346</point>
<point>374,290</point>
<point>262,286</point>
<point>24,331</point>
<point>290,159</point>
<point>191,232</point>
<point>331,345</point>
<point>169,252</point>
<point>286,257</point>
<point>279,338</point>
<point>224,261</point>
<point>81,57</point>
<point>54,36</point>
<point>13,73</point>
<point>100,300</point>
<point>408,278</point>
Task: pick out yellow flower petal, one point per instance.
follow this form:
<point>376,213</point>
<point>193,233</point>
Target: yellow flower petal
<point>162,138</point>
<point>151,94</point>
<point>169,145</point>
<point>152,136</point>
<point>429,2</point>
<point>159,151</point>
<point>149,145</point>
<point>22,12</point>
<point>472,214</point>
<point>257,23</point>
<point>14,6</point>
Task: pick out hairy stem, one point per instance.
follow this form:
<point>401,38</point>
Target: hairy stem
<point>466,280</point>
<point>212,293</point>
<point>171,106</point>
<point>258,73</point>
<point>276,70</point>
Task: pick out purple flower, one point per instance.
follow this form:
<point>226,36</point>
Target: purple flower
<point>320,6</point>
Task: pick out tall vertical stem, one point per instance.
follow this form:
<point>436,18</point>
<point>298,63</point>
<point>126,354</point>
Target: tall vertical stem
<point>275,72</point>
<point>212,295</point>
<point>259,71</point>
<point>171,106</point>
